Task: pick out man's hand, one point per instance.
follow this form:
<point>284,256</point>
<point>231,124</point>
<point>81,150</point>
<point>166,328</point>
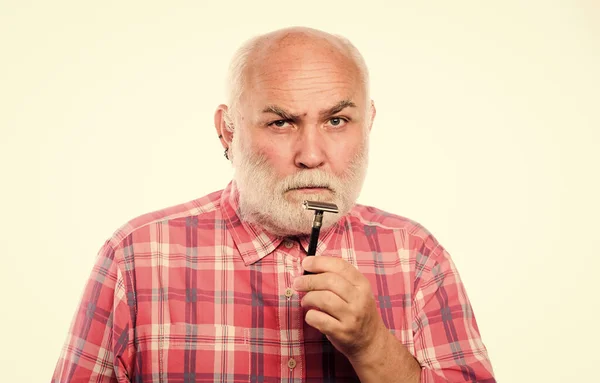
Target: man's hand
<point>341,305</point>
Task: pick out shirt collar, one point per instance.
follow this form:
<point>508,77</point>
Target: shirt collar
<point>254,243</point>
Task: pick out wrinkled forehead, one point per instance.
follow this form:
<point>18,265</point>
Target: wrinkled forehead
<point>302,77</point>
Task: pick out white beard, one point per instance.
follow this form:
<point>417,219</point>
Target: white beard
<point>266,200</point>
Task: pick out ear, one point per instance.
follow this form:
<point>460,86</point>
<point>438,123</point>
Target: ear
<point>224,132</point>
<point>372,112</point>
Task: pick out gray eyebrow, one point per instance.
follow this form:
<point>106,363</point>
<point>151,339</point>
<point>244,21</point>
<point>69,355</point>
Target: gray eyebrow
<point>280,112</point>
<point>285,115</point>
<point>338,108</point>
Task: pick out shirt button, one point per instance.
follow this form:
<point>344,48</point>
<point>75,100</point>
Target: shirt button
<point>289,292</point>
<point>291,363</point>
<point>289,244</point>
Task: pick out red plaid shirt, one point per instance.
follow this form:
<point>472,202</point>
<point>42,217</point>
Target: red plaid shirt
<point>193,294</point>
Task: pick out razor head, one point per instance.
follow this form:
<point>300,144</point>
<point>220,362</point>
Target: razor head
<point>320,206</point>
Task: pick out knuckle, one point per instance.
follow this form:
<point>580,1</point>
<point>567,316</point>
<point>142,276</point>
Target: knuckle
<point>332,280</point>
<point>328,300</point>
<point>310,283</point>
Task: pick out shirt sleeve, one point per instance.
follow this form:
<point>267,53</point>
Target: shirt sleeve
<point>447,341</point>
<point>97,348</point>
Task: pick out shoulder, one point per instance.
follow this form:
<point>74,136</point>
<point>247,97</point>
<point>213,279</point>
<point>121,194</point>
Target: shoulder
<point>372,216</point>
<point>410,233</point>
<point>205,206</point>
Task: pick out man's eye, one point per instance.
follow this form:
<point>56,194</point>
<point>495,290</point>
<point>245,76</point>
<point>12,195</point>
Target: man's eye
<point>337,121</point>
<point>279,123</point>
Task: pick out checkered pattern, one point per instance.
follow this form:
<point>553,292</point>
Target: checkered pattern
<point>193,294</point>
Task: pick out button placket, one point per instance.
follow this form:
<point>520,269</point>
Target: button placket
<point>292,312</point>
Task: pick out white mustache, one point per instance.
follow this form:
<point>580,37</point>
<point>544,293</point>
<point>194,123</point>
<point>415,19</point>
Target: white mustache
<point>310,179</point>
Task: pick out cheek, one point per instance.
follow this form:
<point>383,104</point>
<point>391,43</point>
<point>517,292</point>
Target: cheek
<point>277,156</point>
<point>343,154</point>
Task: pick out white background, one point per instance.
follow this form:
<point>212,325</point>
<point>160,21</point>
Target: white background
<point>486,133</point>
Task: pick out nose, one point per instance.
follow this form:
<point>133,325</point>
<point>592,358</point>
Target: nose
<point>310,153</point>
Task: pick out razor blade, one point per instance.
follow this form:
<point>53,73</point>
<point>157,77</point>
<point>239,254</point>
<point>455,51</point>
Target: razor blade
<point>320,206</point>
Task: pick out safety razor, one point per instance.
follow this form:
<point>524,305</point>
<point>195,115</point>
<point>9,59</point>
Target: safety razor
<point>319,208</point>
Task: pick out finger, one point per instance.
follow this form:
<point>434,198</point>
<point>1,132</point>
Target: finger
<point>327,281</point>
<point>335,265</point>
<point>323,322</point>
<point>327,302</point>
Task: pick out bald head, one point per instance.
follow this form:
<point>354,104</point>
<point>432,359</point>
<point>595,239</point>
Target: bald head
<point>296,51</point>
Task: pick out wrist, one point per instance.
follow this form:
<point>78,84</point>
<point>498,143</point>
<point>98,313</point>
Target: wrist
<point>374,352</point>
<point>383,353</point>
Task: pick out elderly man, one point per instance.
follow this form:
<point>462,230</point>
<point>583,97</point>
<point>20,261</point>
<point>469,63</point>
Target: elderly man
<point>216,289</point>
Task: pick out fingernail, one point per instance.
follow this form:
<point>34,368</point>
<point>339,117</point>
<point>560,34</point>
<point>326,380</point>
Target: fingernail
<point>306,262</point>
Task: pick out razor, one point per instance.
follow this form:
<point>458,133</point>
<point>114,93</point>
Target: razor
<point>319,208</point>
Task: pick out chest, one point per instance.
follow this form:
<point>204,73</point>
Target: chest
<point>206,316</point>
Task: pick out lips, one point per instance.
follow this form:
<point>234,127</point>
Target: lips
<point>309,187</point>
